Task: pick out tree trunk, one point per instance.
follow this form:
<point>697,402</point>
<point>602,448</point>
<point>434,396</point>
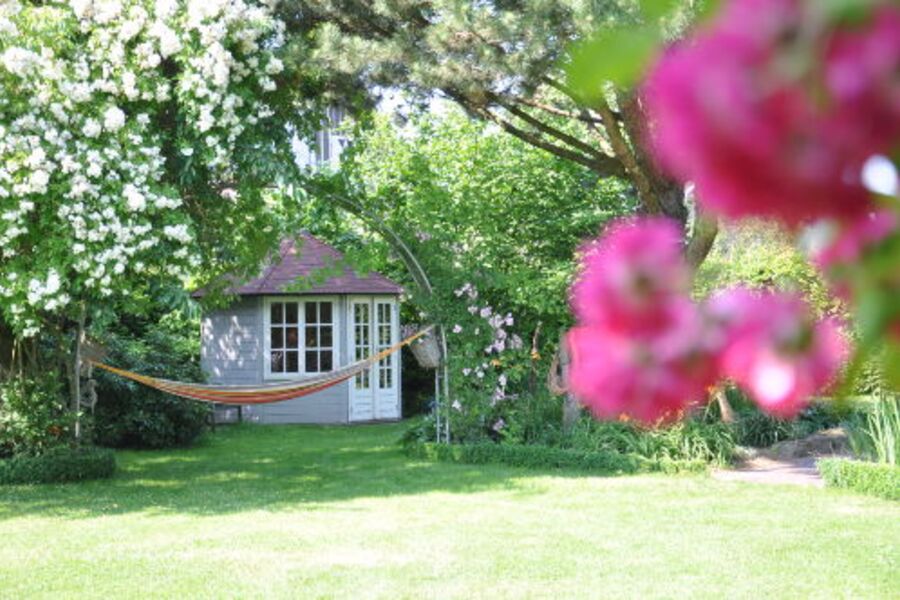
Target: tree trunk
<point>7,351</point>
<point>571,406</point>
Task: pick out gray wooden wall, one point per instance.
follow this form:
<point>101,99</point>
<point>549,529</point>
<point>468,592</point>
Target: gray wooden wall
<point>231,352</point>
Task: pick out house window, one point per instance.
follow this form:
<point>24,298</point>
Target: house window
<point>383,335</point>
<point>301,337</point>
<point>284,340</point>
<point>319,340</point>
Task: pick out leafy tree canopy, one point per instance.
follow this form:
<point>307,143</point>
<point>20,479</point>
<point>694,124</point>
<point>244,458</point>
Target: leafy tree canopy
<point>504,61</point>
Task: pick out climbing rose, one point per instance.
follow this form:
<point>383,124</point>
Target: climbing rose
<point>628,278</point>
<point>732,113</point>
<point>774,350</point>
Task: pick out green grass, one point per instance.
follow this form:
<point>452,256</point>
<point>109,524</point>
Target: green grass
<point>341,512</point>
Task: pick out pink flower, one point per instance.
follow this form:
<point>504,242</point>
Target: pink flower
<point>647,380</point>
<point>760,139</point>
<point>628,278</point>
<point>774,350</point>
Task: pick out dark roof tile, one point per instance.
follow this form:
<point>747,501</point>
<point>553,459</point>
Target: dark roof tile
<point>298,259</point>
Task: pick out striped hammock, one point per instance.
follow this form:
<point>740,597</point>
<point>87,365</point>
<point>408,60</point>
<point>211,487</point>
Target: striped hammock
<point>262,393</point>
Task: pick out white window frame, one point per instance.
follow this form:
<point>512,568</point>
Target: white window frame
<point>336,334</point>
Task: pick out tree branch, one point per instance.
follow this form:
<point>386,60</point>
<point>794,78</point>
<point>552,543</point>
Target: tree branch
<point>547,129</point>
<point>584,116</point>
<point>624,153</point>
<point>602,165</point>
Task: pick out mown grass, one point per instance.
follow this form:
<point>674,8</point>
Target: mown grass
<point>340,512</point>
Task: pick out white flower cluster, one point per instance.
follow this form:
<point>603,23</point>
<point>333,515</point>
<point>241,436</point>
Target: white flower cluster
<point>83,203</point>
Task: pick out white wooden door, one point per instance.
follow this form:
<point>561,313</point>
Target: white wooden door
<point>362,392</point>
<point>386,376</point>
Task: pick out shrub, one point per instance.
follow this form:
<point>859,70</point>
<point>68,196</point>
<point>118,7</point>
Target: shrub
<point>58,465</point>
<point>874,479</point>
<point>759,430</point>
<point>875,434</point>
<point>33,415</point>
<point>688,440</point>
<point>545,457</point>
<point>130,415</point>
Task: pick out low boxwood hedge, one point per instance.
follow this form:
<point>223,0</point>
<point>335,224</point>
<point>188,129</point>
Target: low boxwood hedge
<point>59,465</point>
<point>536,456</point>
<point>874,479</point>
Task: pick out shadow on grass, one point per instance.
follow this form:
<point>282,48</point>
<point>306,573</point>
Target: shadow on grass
<point>248,468</point>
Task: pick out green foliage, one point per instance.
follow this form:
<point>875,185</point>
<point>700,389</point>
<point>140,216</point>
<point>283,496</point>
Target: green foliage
<point>689,440</point>
<point>453,187</point>
<point>33,415</point>
<point>759,255</point>
<point>537,421</point>
<point>619,56</point>
<point>456,188</point>
<point>881,480</point>
<point>875,433</point>
<point>756,429</point>
<point>546,457</point>
<point>129,415</point>
<point>58,465</point>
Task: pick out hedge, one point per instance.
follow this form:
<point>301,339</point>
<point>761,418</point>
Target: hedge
<point>874,479</point>
<point>536,456</point>
<point>59,465</point>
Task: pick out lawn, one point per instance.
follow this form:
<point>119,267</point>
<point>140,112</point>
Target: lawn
<point>308,512</point>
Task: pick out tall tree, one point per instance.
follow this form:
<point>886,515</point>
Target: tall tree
<point>503,61</point>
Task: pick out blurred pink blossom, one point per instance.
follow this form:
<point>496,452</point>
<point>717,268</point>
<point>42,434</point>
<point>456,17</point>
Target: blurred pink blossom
<point>767,342</point>
<point>774,350</point>
<point>627,279</point>
<point>732,113</point>
<point>617,375</point>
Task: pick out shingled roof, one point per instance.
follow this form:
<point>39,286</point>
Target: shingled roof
<point>303,257</point>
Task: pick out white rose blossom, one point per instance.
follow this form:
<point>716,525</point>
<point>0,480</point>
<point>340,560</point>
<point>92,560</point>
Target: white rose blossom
<point>73,153</point>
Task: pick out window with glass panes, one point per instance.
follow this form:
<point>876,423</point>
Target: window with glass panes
<point>361,342</point>
<point>383,324</point>
<point>292,353</point>
<point>319,338</point>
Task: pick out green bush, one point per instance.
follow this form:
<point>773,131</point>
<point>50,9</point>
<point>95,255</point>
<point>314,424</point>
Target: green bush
<point>545,457</point>
<point>874,479</point>
<point>690,440</point>
<point>875,433</point>
<point>130,415</point>
<point>33,415</point>
<point>58,465</point>
<point>759,430</point>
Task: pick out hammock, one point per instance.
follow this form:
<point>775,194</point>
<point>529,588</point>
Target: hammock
<point>260,393</point>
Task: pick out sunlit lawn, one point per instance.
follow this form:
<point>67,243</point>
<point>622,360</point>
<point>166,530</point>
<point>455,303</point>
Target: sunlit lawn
<point>340,512</point>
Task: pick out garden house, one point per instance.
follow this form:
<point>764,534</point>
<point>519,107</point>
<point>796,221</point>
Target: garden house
<point>272,332</point>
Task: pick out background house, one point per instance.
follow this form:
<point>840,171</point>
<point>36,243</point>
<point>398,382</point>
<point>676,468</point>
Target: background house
<point>272,333</point>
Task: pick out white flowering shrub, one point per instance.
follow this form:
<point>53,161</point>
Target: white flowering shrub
<point>102,104</point>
